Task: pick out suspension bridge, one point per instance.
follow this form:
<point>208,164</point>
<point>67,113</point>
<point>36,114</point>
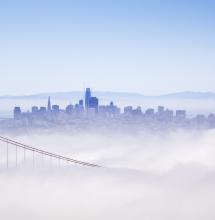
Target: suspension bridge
<point>21,150</point>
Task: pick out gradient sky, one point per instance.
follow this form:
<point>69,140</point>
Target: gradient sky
<point>151,47</point>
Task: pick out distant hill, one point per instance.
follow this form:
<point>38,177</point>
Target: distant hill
<point>190,95</point>
<point>116,95</point>
<point>77,95</point>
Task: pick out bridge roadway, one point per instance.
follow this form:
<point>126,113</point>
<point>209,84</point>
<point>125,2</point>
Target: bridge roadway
<point>42,152</point>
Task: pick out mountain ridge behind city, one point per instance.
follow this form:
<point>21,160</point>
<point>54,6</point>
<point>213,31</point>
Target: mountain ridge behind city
<point>109,94</point>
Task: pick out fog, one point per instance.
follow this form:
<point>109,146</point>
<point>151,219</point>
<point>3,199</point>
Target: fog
<point>143,176</point>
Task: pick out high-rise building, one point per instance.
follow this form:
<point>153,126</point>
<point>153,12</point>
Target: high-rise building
<point>113,109</point>
<point>87,98</point>
<point>94,103</point>
<point>150,112</point>
<point>42,110</point>
<point>69,109</point>
<point>160,110</point>
<point>128,110</point>
<point>49,104</point>
<point>55,108</point>
<point>17,113</point>
<point>181,114</point>
<point>81,102</point>
<point>137,111</point>
<point>34,109</point>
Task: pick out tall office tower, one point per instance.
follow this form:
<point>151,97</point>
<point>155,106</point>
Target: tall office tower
<point>49,104</point>
<point>87,98</point>
<point>17,113</point>
<point>94,103</point>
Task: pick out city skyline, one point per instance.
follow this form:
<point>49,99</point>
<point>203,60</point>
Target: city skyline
<point>90,107</point>
<point>152,48</point>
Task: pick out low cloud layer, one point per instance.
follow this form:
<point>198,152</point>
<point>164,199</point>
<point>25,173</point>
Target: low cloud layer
<point>144,177</point>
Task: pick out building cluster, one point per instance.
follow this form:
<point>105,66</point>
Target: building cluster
<point>89,108</point>
<point>84,108</point>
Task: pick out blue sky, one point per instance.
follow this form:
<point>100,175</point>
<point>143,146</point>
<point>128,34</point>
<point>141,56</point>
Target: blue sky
<point>150,47</point>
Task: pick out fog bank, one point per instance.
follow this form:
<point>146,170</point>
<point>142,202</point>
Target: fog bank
<point>144,176</point>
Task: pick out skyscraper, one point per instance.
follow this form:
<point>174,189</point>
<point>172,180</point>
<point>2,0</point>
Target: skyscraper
<point>49,104</point>
<point>87,98</point>
<point>17,113</point>
<point>94,103</point>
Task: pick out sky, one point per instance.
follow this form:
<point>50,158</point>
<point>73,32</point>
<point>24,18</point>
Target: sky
<point>151,47</point>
